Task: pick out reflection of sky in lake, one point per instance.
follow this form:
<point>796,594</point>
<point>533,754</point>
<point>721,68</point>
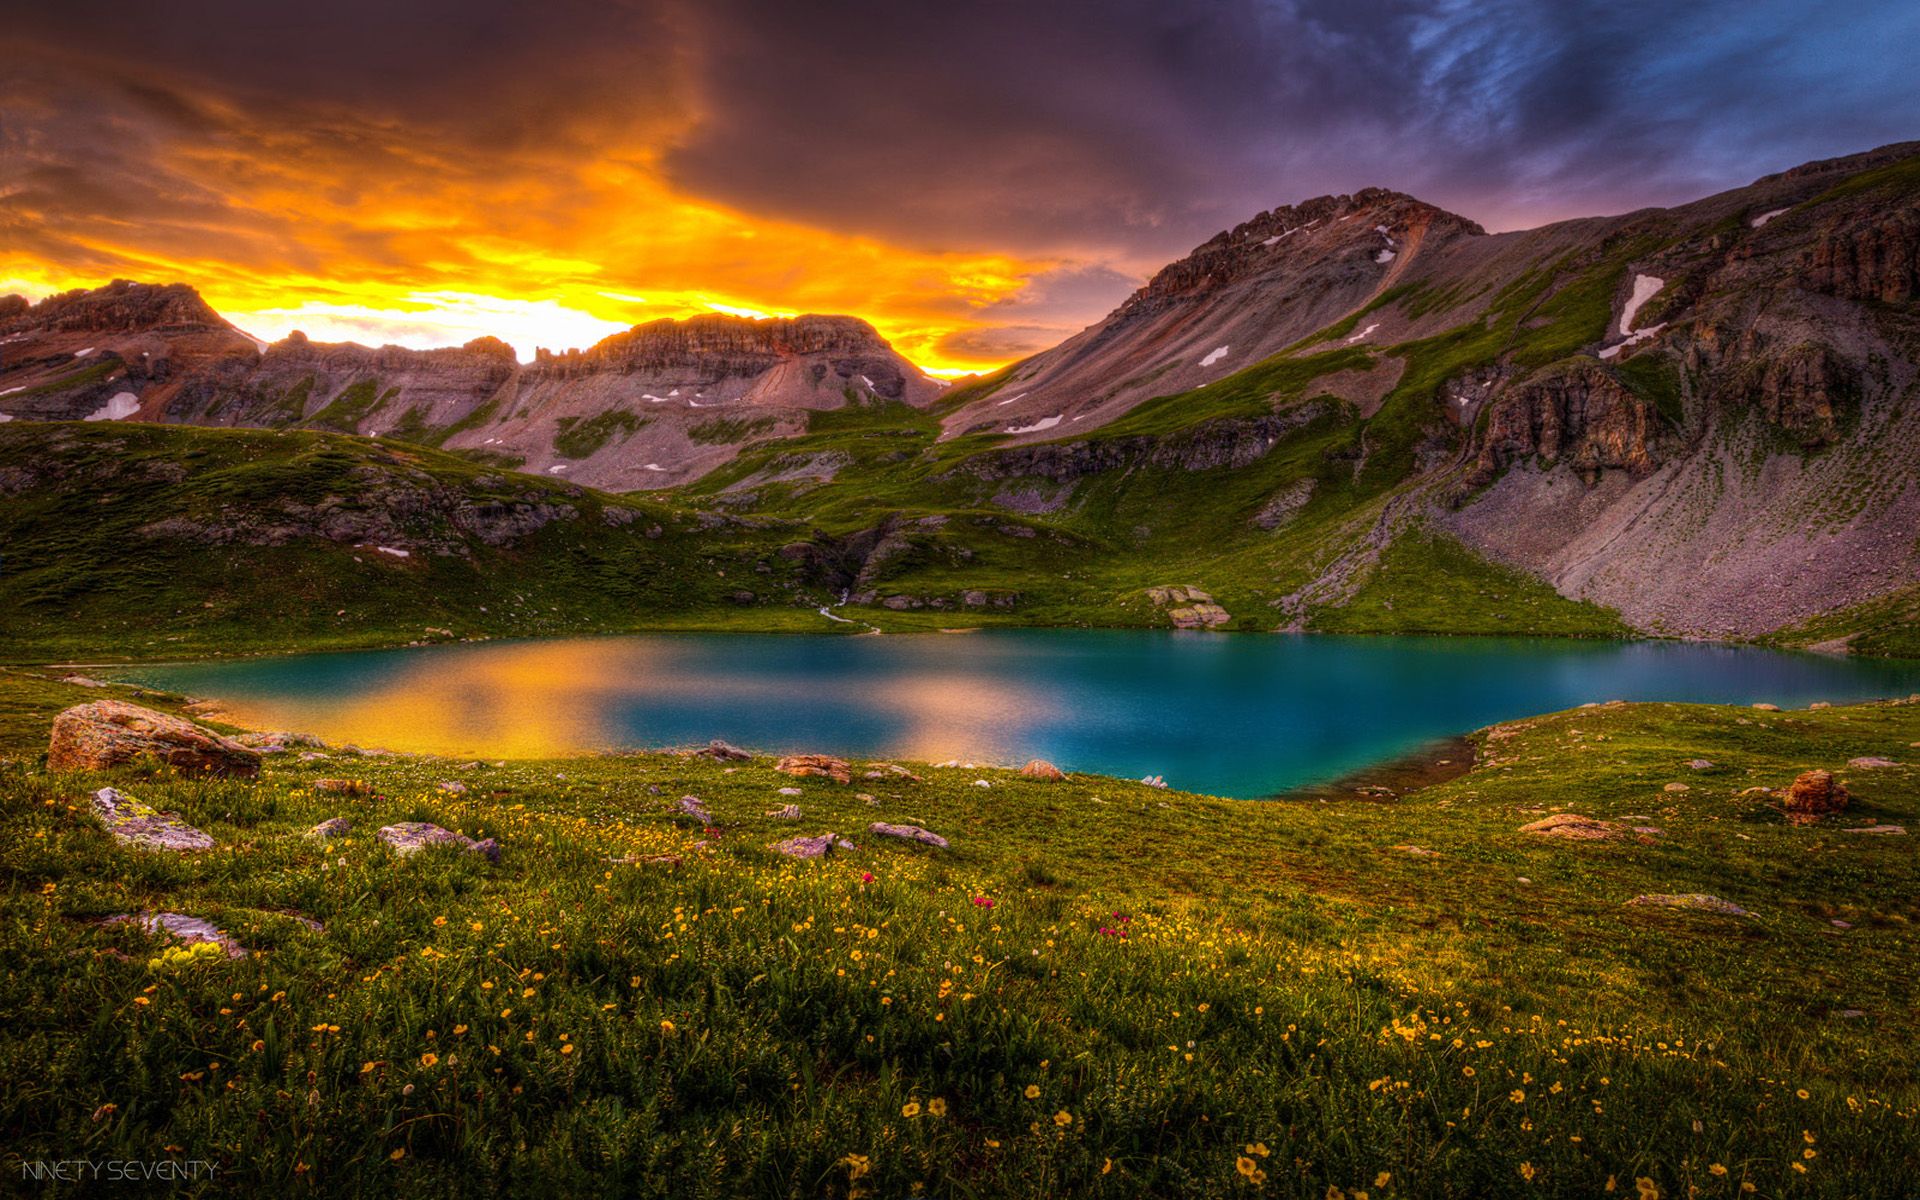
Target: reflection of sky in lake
<point>1235,714</point>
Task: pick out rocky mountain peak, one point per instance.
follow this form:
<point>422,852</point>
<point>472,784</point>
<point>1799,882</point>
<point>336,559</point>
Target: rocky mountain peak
<point>734,345</point>
<point>122,306</point>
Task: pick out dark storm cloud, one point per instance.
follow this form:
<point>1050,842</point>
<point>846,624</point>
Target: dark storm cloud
<point>1135,128</point>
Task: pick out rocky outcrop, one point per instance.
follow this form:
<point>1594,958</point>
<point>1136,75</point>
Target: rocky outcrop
<point>910,833</point>
<point>120,307</point>
<point>1041,769</point>
<point>1226,443</point>
<point>1801,389</point>
<point>108,733</point>
<point>1577,412</point>
<point>811,847</point>
<point>1814,794</point>
<point>1870,255</point>
<point>136,824</point>
<point>1188,607</point>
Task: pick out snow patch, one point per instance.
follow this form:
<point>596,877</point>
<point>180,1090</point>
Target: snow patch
<point>868,382</point>
<point>84,353</point>
<point>1219,353</point>
<point>1385,256</point>
<point>1764,217</point>
<point>1645,288</point>
<point>1632,339</point>
<point>1004,403</point>
<point>5,417</point>
<point>1361,336</point>
<point>556,468</point>
<point>397,553</point>
<point>674,392</point>
<point>1037,426</point>
<point>11,391</point>
<point>657,399</point>
<point>653,467</point>
<point>123,404</point>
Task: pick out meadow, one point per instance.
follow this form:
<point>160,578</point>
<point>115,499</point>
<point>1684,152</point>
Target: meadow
<point>1101,988</point>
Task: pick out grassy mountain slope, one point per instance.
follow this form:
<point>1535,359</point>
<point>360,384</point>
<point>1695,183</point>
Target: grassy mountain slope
<point>1301,1002</point>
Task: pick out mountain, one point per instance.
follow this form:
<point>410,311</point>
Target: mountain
<point>1358,413</point>
<point>660,404</point>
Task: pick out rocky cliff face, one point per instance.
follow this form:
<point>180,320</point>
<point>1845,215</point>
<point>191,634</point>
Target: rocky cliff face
<point>1580,414</point>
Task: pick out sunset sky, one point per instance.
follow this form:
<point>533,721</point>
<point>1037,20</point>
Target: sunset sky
<point>978,180</point>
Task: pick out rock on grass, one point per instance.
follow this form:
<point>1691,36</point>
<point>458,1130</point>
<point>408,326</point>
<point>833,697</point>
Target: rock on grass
<point>1692,902</point>
<point>136,824</point>
<point>836,769</point>
<point>182,928</point>
<point>107,733</point>
<point>409,837</point>
<point>912,833</point>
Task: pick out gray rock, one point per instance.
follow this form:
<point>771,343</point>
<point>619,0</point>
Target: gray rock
<point>812,847</point>
<point>453,787</point>
<point>1692,902</point>
<point>1888,830</point>
<point>181,928</point>
<point>133,823</point>
<point>332,827</point>
<point>409,837</point>
<point>721,751</point>
<point>786,812</point>
<point>692,807</point>
<point>1871,763</point>
<point>912,833</point>
<point>1700,764</point>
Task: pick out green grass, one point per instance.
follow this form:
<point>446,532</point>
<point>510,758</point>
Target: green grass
<point>1489,1021</point>
<point>720,431</point>
<point>575,438</point>
<point>355,403</point>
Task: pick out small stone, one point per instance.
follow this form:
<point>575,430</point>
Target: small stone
<point>791,791</point>
<point>1677,787</point>
<point>912,833</point>
<point>786,812</point>
<point>1871,763</point>
<point>866,796</point>
<point>691,806</point>
<point>1852,1013</point>
<point>136,824</point>
<point>720,751</point>
<point>1766,708</point>
<point>1692,902</point>
<point>332,827</point>
<point>812,847</point>
<point>1418,851</point>
<point>1837,923</point>
<point>836,769</point>
<point>408,837</point>
<point>182,928</point>
<point>981,783</point>
<point>453,787</point>
<point>1700,764</point>
<point>1040,768</point>
<point>1817,705</point>
<point>1884,830</point>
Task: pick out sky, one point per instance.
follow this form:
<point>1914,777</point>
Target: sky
<point>979,180</point>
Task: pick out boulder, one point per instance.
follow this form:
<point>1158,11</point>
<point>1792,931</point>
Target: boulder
<point>107,733</point>
<point>811,847</point>
<point>1873,762</point>
<point>912,833</point>
<point>135,824</point>
<point>279,742</point>
<point>410,836</point>
<point>1700,764</point>
<point>786,812</point>
<point>182,928</point>
<point>332,827</point>
<point>692,807</point>
<point>1040,768</point>
<point>1692,902</point>
<point>1575,827</point>
<point>721,751</point>
<point>836,769</point>
<point>1814,794</point>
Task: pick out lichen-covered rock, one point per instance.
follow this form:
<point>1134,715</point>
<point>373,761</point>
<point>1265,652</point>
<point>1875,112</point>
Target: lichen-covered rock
<point>1871,763</point>
<point>1188,607</point>
<point>824,765</point>
<point>1692,902</point>
<point>1814,794</point>
<point>182,928</point>
<point>911,833</point>
<point>107,733</point>
<point>811,847</point>
<point>332,827</point>
<point>279,742</point>
<point>136,824</point>
<point>408,837</point>
<point>721,751</point>
<point>453,787</point>
<point>692,807</point>
<point>786,812</point>
<point>1575,827</point>
<point>1040,768</point>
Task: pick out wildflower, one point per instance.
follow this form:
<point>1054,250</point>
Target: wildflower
<point>368,1066</point>
<point>1802,1093</point>
<point>439,921</point>
<point>258,1045</point>
<point>1527,1172</point>
<point>1063,1118</point>
<point>429,1059</point>
<point>1106,1168</point>
<point>866,877</point>
<point>1383,1179</point>
<point>936,1107</point>
<point>1245,1165</point>
<point>910,1109</point>
<point>1033,1091</point>
<point>458,1030</point>
<point>1649,1190</point>
<point>666,1027</point>
<point>856,1165</point>
<point>1517,1095</point>
<point>1467,1071</point>
<point>567,1049</point>
<point>1716,1169</point>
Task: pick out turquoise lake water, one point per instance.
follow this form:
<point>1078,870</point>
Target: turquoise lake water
<point>1230,714</point>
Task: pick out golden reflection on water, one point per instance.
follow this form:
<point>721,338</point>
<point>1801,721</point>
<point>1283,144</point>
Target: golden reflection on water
<point>548,699</point>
